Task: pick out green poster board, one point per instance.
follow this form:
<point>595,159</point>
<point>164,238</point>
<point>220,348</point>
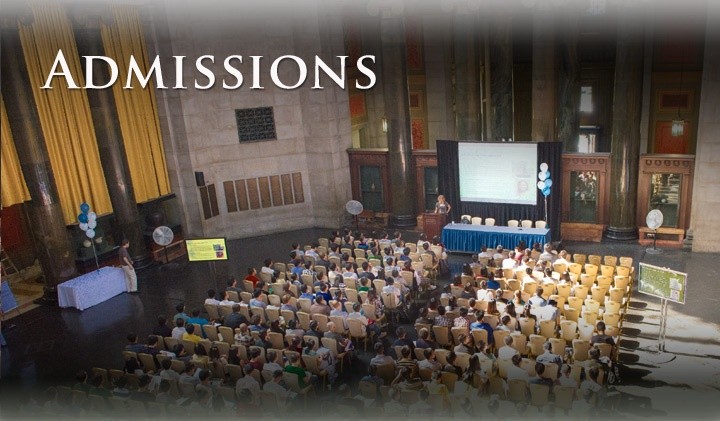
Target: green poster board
<point>662,282</point>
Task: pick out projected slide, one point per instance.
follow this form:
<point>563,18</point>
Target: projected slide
<point>498,172</point>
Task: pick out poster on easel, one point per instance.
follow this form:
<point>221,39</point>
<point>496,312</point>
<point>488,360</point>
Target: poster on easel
<point>7,298</point>
<point>664,283</point>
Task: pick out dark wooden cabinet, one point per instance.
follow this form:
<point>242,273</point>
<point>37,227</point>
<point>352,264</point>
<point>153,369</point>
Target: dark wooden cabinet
<point>433,224</point>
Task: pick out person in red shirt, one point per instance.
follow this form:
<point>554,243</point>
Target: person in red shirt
<point>252,276</point>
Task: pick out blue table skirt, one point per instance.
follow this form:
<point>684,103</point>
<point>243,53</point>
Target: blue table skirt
<point>92,288</point>
<point>471,238</point>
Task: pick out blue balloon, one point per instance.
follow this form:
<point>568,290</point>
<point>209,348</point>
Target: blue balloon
<point>548,183</point>
<point>83,218</point>
<point>546,191</point>
<point>547,174</point>
<point>84,208</point>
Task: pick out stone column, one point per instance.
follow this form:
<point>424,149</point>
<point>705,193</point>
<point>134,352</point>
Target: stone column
<point>467,87</point>
<point>110,141</point>
<point>568,115</point>
<point>625,142</point>
<point>397,112</point>
<point>544,75</point>
<point>50,235</point>
<point>501,78</point>
<point>706,183</point>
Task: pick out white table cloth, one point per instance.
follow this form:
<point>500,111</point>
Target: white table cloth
<point>92,288</point>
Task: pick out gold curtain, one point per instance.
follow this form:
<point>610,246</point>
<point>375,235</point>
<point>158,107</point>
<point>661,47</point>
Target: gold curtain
<point>137,107</point>
<point>64,113</point>
<point>13,188</point>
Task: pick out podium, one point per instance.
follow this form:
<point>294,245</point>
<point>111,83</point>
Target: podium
<point>433,224</point>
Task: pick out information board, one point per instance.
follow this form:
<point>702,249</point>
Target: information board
<point>206,249</point>
<point>7,299</point>
<point>662,282</point>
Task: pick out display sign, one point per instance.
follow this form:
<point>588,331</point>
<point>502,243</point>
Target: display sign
<point>7,299</point>
<point>662,282</point>
<point>206,249</point>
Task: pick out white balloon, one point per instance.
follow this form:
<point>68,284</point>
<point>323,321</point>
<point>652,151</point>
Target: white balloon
<point>92,223</point>
<point>92,216</point>
<point>90,233</point>
<point>542,175</point>
<point>541,185</point>
<point>83,226</point>
<point>543,167</point>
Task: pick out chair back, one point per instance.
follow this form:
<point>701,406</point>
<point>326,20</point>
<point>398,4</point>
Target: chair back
<point>568,329</point>
<point>526,223</point>
<point>212,311</point>
<point>490,222</point>
<point>497,387</point>
<point>322,321</point>
<point>476,220</point>
<point>607,270</point>
<point>442,335</point>
<point>386,372</point>
<point>527,326</point>
<point>449,379</point>
<point>512,223</point>
<point>388,300</point>
<point>564,397</point>
<point>304,319</point>
<point>518,390</point>
<point>540,224</point>
<point>539,394</point>
<point>626,262</point>
<point>580,349</point>
<point>304,304</point>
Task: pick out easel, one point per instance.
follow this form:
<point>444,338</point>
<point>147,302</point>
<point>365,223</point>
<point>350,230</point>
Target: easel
<point>663,325</point>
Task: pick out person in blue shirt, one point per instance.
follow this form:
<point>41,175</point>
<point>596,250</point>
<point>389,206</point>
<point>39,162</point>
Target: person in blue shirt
<point>481,324</point>
<point>325,292</point>
<point>305,294</point>
<point>197,319</point>
<point>256,301</point>
<point>298,267</point>
<point>492,284</point>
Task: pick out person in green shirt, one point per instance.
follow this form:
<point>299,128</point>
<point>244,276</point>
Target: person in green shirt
<point>364,285</point>
<point>295,367</point>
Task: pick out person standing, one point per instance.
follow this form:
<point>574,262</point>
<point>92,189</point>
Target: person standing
<point>127,265</point>
<point>442,206</point>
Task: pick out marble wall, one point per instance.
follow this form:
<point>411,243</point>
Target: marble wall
<point>199,127</point>
<point>705,220</point>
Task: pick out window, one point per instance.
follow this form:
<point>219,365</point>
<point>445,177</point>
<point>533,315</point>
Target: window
<point>587,139</point>
<point>371,188</point>
<point>255,124</point>
<point>583,196</point>
<point>431,187</point>
<point>586,99</point>
<point>665,196</point>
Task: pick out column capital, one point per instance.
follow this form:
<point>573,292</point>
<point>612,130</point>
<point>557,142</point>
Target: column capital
<point>91,16</point>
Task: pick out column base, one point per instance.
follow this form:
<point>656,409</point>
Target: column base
<point>403,221</point>
<point>143,262</point>
<point>49,298</point>
<point>621,233</point>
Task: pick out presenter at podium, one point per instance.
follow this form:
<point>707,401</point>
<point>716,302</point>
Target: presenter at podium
<point>442,206</point>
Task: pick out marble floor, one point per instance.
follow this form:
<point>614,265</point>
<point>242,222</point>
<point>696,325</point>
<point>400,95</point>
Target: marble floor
<point>49,344</point>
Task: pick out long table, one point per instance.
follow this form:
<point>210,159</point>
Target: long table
<point>470,238</point>
<point>92,288</point>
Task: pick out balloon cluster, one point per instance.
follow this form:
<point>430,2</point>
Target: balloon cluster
<point>87,220</point>
<point>545,182</point>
